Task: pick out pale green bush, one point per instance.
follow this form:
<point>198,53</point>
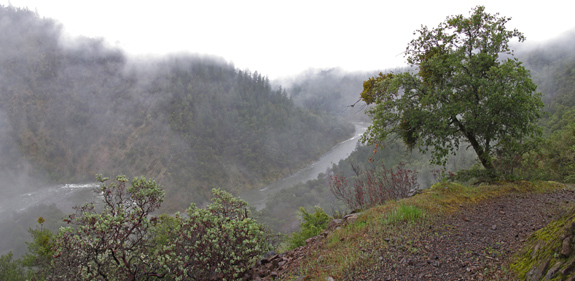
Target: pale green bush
<point>125,242</point>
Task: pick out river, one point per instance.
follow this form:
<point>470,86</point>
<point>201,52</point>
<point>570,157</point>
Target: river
<point>65,196</point>
<point>342,150</point>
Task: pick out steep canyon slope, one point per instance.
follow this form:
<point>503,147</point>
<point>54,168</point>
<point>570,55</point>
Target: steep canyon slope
<point>70,109</point>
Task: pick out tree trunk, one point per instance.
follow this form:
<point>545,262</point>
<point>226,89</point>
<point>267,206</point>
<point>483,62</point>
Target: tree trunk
<point>482,154</point>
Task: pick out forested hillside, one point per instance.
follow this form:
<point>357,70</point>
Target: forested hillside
<point>333,91</point>
<point>72,109</point>
<point>552,66</point>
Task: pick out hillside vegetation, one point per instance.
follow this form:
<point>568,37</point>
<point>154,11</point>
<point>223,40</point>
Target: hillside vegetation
<point>70,109</point>
<point>467,204</point>
<point>452,230</point>
<point>447,232</point>
<point>552,66</point>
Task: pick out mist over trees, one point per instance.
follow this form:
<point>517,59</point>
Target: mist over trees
<point>71,110</point>
<point>332,91</point>
<point>552,66</point>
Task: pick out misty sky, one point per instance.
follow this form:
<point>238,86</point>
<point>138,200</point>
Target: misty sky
<point>283,38</point>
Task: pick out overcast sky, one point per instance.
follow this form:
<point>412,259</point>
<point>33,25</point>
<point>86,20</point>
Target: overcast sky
<point>284,38</point>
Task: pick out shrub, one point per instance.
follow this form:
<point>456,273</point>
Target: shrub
<point>374,187</point>
<point>474,175</point>
<point>311,225</point>
<point>560,155</point>
<point>40,251</point>
<point>112,244</point>
<point>11,270</point>
<point>520,161</point>
<point>220,241</point>
<point>125,242</point>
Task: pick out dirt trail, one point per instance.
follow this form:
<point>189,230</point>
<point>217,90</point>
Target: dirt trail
<point>474,243</point>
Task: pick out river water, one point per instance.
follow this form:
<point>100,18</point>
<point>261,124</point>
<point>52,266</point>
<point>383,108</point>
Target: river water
<point>342,150</point>
<point>66,196</point>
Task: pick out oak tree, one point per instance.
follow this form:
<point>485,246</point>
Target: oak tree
<point>465,86</point>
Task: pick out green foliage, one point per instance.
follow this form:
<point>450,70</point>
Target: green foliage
<point>220,241</point>
<point>311,225</point>
<point>463,92</point>
<point>40,250</point>
<point>114,243</point>
<point>559,163</point>
<point>405,213</point>
<point>16,227</point>
<point>163,228</point>
<point>12,270</point>
<point>124,241</point>
<point>474,175</point>
<point>520,160</point>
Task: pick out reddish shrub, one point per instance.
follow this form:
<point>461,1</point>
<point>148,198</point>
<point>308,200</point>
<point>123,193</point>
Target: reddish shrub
<point>374,186</point>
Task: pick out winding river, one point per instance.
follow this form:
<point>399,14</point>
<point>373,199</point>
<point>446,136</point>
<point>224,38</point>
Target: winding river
<point>65,196</point>
<point>342,150</point>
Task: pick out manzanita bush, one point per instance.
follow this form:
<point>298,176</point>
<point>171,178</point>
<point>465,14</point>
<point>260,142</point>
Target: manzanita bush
<point>113,243</point>
<point>374,186</point>
<point>124,241</point>
<point>218,242</point>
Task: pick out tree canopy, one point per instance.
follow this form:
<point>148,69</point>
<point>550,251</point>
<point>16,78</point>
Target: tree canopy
<point>465,86</point>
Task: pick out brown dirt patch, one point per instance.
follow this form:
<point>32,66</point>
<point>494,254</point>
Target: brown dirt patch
<point>474,243</point>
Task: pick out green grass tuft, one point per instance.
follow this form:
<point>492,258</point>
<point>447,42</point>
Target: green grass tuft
<point>405,213</point>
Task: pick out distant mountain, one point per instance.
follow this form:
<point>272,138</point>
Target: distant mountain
<point>332,91</point>
<point>552,66</point>
<point>71,110</point>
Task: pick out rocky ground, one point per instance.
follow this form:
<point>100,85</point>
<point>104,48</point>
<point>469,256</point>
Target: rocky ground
<point>475,243</point>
